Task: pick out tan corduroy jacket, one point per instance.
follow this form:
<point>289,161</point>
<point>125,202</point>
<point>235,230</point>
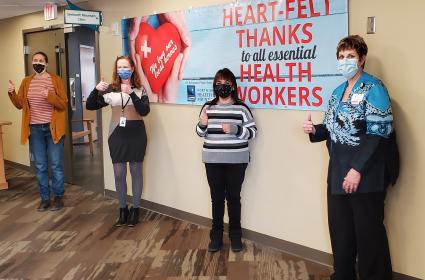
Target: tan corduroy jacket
<point>57,98</point>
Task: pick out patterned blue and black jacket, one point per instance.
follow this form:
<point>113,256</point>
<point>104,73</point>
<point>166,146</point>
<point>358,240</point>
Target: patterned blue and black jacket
<point>354,131</point>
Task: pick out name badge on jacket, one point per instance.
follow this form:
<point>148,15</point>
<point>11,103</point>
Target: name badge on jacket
<point>357,98</point>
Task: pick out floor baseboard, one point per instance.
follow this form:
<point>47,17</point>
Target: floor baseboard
<point>19,166</point>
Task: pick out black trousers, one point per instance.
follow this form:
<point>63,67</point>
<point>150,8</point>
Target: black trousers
<point>357,231</point>
<point>225,181</point>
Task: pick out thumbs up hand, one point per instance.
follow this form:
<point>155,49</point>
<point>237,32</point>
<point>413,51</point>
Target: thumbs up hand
<point>11,87</point>
<point>102,85</point>
<point>203,118</point>
<point>308,125</point>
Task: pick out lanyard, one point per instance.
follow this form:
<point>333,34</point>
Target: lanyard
<point>122,104</point>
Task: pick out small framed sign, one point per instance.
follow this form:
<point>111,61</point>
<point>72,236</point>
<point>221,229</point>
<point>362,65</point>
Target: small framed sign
<point>83,17</point>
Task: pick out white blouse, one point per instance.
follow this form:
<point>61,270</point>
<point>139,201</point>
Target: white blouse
<point>114,98</point>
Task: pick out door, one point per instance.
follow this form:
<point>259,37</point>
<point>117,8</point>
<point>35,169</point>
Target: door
<point>88,71</point>
<point>52,43</point>
<point>86,125</point>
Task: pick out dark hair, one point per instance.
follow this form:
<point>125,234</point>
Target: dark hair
<point>227,75</point>
<point>43,54</point>
<point>352,42</point>
<point>116,80</point>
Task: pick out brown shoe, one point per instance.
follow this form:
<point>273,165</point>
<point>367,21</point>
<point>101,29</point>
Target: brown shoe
<point>44,205</point>
<point>57,204</point>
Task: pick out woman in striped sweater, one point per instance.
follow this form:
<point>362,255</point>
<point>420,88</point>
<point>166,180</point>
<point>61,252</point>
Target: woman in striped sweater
<point>226,124</point>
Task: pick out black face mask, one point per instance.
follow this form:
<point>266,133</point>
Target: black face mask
<point>39,68</point>
<point>223,91</point>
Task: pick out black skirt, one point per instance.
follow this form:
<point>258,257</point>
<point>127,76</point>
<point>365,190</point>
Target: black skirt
<point>128,144</point>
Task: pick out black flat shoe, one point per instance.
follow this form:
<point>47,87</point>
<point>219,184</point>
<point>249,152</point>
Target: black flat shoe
<point>236,244</point>
<point>235,237</point>
<point>216,240</point>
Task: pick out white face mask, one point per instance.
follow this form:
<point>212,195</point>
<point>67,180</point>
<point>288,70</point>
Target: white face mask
<point>348,67</point>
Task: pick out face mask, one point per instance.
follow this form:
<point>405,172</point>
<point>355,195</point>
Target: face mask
<point>223,91</point>
<point>38,67</point>
<point>124,74</point>
<point>348,67</point>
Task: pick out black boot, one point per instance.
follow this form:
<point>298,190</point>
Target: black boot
<point>57,203</point>
<point>44,205</point>
<point>133,219</point>
<point>123,216</point>
<point>235,236</point>
<point>216,240</point>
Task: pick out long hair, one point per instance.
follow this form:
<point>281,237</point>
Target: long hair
<point>226,74</point>
<point>134,79</point>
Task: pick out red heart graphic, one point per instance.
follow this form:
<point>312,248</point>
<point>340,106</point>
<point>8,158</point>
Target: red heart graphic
<point>158,49</point>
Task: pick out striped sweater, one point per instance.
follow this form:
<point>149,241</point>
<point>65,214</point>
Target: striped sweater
<point>40,109</point>
<point>220,147</point>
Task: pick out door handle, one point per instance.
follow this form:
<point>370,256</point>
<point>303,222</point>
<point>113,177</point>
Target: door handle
<point>72,94</point>
<point>58,52</point>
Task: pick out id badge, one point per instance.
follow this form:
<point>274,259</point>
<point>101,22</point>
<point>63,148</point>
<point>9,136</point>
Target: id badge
<point>357,98</point>
<point>123,120</point>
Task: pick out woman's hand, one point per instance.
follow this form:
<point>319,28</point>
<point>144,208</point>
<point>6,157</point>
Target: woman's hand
<point>11,87</point>
<point>179,21</point>
<point>308,126</point>
<point>203,118</point>
<point>351,181</point>
<point>126,88</point>
<point>102,85</point>
<point>45,92</point>
<point>134,31</point>
<point>171,86</point>
<point>226,128</point>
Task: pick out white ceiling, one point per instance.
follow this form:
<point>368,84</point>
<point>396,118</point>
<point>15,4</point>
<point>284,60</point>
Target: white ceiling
<point>12,8</point>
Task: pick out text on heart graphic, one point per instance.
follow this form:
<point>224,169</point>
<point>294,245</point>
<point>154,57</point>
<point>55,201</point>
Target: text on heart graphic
<point>158,49</point>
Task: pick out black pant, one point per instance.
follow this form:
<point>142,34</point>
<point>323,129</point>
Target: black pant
<point>225,181</point>
<point>357,230</point>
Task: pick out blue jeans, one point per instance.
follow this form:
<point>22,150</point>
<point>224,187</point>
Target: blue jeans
<point>43,149</point>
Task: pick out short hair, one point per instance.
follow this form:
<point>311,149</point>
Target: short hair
<point>43,54</point>
<point>354,42</point>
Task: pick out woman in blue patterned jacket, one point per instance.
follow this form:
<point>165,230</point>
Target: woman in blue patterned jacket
<point>356,125</point>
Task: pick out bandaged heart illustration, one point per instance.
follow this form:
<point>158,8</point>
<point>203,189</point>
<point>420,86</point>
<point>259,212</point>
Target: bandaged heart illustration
<point>158,49</point>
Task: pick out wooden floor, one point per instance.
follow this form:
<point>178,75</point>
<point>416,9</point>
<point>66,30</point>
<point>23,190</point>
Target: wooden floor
<point>80,242</point>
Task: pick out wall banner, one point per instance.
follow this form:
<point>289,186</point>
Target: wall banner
<point>282,52</point>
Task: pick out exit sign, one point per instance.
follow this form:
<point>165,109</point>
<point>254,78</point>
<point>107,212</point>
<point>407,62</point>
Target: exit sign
<point>50,11</point>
